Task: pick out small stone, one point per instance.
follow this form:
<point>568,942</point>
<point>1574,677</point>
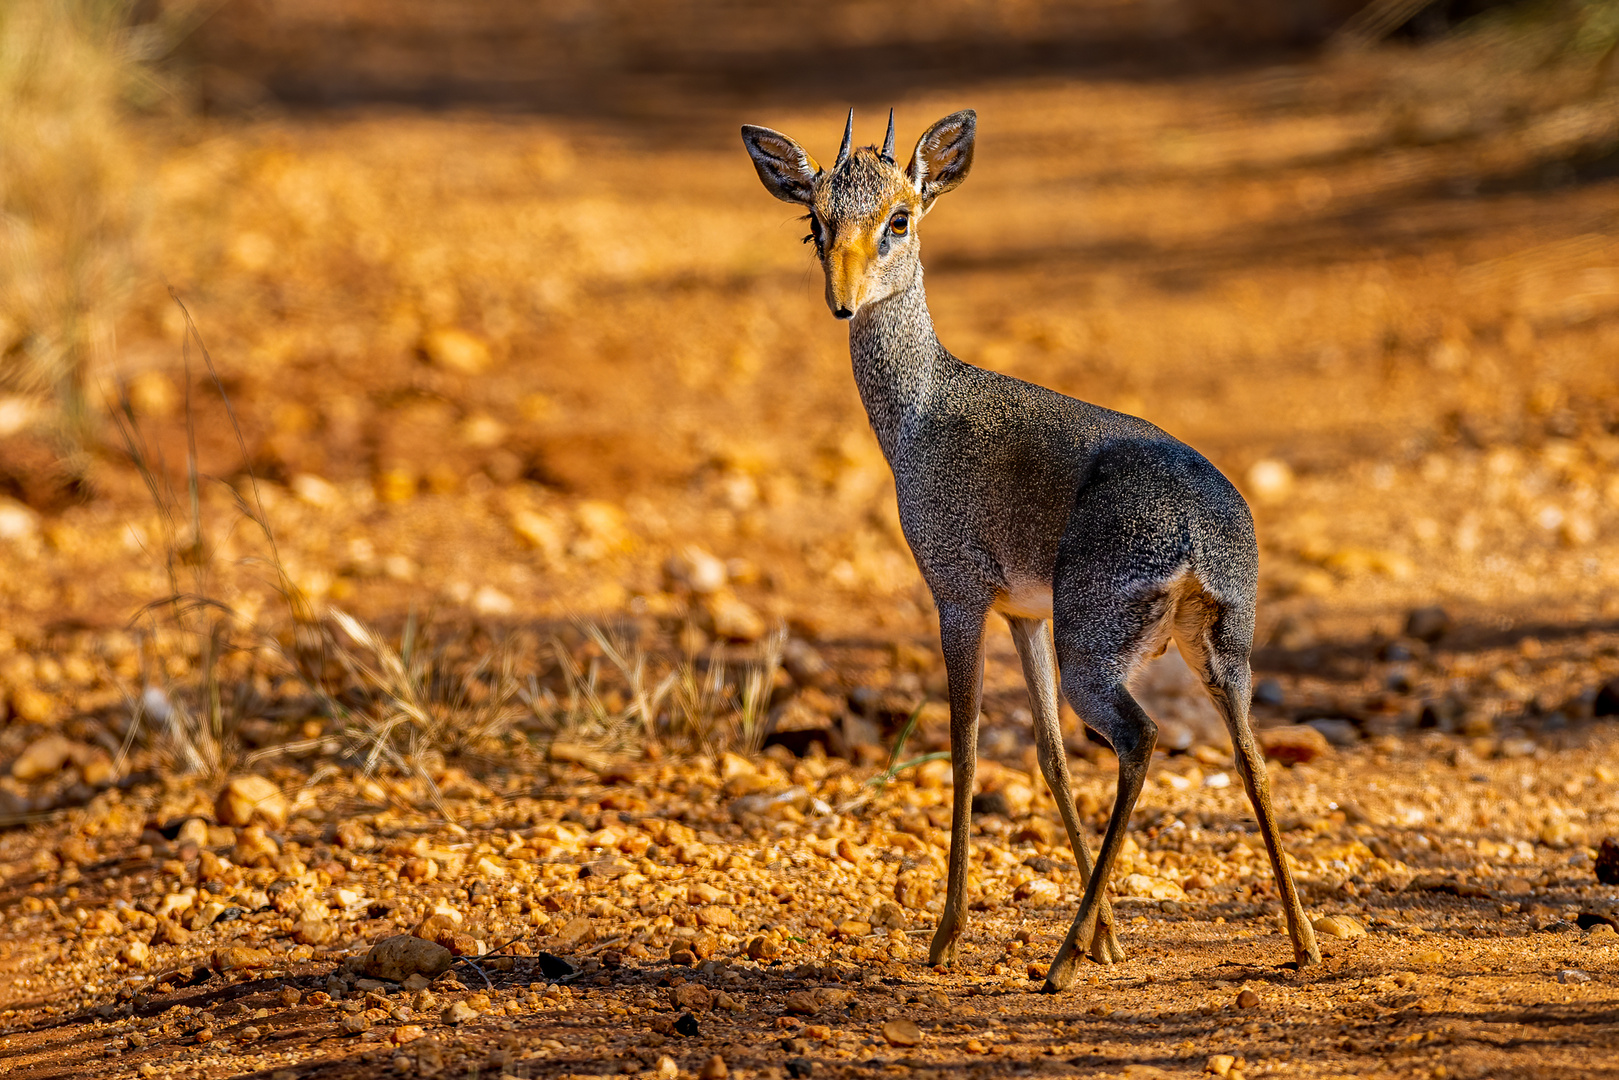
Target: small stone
<point>975,1046</point>
<point>1339,732</point>
<point>459,1013</point>
<point>1269,480</point>
<point>289,996</point>
<point>554,967</point>
<point>249,798</point>
<point>1572,975</point>
<point>1269,692</point>
<point>314,931</point>
<point>991,803</point>
<point>398,957</point>
<point>763,948</point>
<point>799,1068</point>
<point>576,932</point>
<point>136,954</point>
<point>1338,926</point>
<point>902,1033</point>
<point>1558,834</point>
<point>1607,864</point>
<point>419,869</point>
<point>240,957</point>
<point>888,915</point>
<point>45,756</point>
<point>207,915</point>
<point>1294,744</point>
<point>697,570</point>
<point>405,1033</point>
<point>716,916</point>
<point>169,932</point>
<point>456,350</point>
<point>1590,920</point>
<point>1039,890</point>
<point>713,1069</point>
<point>1427,624</point>
<point>686,1024</point>
<point>353,1024</point>
<point>1247,999</point>
<point>693,997</point>
<point>29,704</point>
<point>1607,699</point>
<point>733,619</point>
<point>802,1003</point>
<point>1219,1064</point>
<point>913,891</point>
<point>429,1057</point>
<point>666,1069</point>
<point>254,847</point>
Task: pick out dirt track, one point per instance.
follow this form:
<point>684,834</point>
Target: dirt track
<point>1391,276</point>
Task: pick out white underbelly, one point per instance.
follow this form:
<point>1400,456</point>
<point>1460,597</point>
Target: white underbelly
<point>1026,601</point>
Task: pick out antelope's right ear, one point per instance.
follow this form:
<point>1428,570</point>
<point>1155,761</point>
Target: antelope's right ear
<point>786,171</point>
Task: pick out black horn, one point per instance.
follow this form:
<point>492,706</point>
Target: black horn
<point>888,140</point>
<point>848,134</point>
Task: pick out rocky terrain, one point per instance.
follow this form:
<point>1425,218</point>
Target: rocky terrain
<point>538,684</point>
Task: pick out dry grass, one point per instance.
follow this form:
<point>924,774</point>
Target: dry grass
<point>69,197</point>
<point>401,707</point>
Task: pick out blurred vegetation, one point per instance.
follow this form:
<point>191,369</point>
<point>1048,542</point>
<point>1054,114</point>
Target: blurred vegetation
<point>73,73</point>
<point>68,212</point>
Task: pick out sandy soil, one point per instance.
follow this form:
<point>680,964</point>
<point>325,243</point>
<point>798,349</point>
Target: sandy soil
<point>508,370</point>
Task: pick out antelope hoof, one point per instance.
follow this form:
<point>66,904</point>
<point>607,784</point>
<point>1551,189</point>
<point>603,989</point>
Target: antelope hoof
<point>1307,957</point>
<point>1060,976</point>
<point>1105,947</point>
<point>943,951</point>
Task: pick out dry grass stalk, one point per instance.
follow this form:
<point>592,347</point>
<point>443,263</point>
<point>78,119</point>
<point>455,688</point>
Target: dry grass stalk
<point>688,706</point>
<point>192,715</point>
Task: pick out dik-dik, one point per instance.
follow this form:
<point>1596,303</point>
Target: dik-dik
<point>1019,500</point>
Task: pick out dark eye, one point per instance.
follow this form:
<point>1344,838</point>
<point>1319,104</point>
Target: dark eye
<point>899,224</point>
<point>814,236</point>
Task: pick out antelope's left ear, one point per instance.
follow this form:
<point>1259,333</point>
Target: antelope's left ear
<point>788,172</point>
<point>943,156</point>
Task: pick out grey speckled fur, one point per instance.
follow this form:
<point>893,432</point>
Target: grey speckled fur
<point>1021,500</point>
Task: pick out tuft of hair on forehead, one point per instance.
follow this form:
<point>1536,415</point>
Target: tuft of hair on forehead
<point>864,184</point>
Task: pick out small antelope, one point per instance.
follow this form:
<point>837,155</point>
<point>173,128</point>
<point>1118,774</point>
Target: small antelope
<point>1020,500</point>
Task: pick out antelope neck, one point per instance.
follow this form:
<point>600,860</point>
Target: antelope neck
<point>897,361</point>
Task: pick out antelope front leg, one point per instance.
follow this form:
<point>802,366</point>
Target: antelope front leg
<point>961,634</point>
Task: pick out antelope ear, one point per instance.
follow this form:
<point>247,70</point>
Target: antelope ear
<point>943,155</point>
<point>786,171</point>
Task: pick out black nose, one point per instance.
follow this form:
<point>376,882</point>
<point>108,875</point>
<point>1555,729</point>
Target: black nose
<point>843,313</point>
